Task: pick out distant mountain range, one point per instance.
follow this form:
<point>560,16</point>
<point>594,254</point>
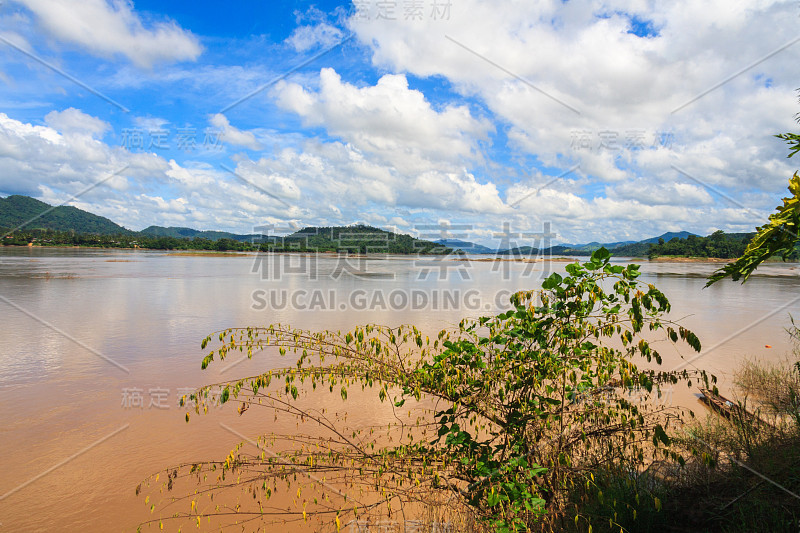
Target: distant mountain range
<point>19,214</point>
<point>465,246</point>
<point>620,248</point>
<point>592,246</point>
<point>668,236</point>
<point>28,213</point>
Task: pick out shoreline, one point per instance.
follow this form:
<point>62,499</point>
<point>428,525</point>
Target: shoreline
<point>681,259</point>
<point>219,253</point>
<point>481,258</point>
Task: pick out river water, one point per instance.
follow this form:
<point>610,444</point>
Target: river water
<point>97,345</point>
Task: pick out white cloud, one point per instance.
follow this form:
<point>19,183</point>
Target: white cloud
<point>72,120</point>
<point>113,28</point>
<point>33,155</point>
<point>150,123</point>
<point>400,222</point>
<point>396,149</point>
<point>389,120</point>
<point>582,54</point>
<point>14,37</point>
<point>307,37</point>
<point>133,189</point>
<point>392,152</point>
<point>563,69</point>
<point>332,183</point>
<point>232,135</point>
<point>666,193</point>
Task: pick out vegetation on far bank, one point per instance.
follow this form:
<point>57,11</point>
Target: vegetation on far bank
<point>717,245</point>
<point>30,221</point>
<point>348,239</point>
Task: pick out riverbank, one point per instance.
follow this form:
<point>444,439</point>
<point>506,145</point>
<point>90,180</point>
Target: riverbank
<point>217,253</point>
<point>676,259</point>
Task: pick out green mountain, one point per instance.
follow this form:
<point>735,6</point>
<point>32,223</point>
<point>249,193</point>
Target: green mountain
<point>353,239</point>
<point>16,211</point>
<point>577,249</point>
<point>621,248</point>
<point>668,236</point>
<point>591,246</point>
<point>189,233</point>
<point>466,246</point>
<point>719,245</point>
<point>642,248</point>
<point>31,220</point>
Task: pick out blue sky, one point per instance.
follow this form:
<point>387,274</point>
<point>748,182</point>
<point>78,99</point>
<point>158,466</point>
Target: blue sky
<point>607,120</point>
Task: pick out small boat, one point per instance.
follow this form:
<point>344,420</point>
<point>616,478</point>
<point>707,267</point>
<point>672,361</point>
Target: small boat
<point>729,409</point>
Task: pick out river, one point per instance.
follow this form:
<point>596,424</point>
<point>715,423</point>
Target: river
<point>97,345</point>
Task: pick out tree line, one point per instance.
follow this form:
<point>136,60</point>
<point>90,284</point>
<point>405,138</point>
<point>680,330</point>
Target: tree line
<point>358,239</point>
<point>718,244</point>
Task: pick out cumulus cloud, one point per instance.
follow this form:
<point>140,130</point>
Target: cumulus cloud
<point>232,135</point>
<point>524,91</point>
<point>58,161</point>
<point>325,183</point>
<point>666,193</point>
<point>395,148</point>
<point>72,120</point>
<point>113,28</point>
<point>641,81</point>
<point>388,119</point>
<point>69,161</point>
<point>580,66</point>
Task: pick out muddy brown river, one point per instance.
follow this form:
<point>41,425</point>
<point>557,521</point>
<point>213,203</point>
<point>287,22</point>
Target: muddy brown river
<point>96,346</point>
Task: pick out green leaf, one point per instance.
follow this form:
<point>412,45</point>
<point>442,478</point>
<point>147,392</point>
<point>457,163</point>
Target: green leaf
<point>600,255</point>
<point>553,281</point>
<point>660,435</point>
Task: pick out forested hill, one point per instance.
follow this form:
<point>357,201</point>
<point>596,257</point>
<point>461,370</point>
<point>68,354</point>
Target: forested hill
<point>16,211</point>
<point>27,220</point>
<point>67,225</point>
<point>354,239</point>
<point>671,244</point>
<point>718,244</point>
<point>189,233</point>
